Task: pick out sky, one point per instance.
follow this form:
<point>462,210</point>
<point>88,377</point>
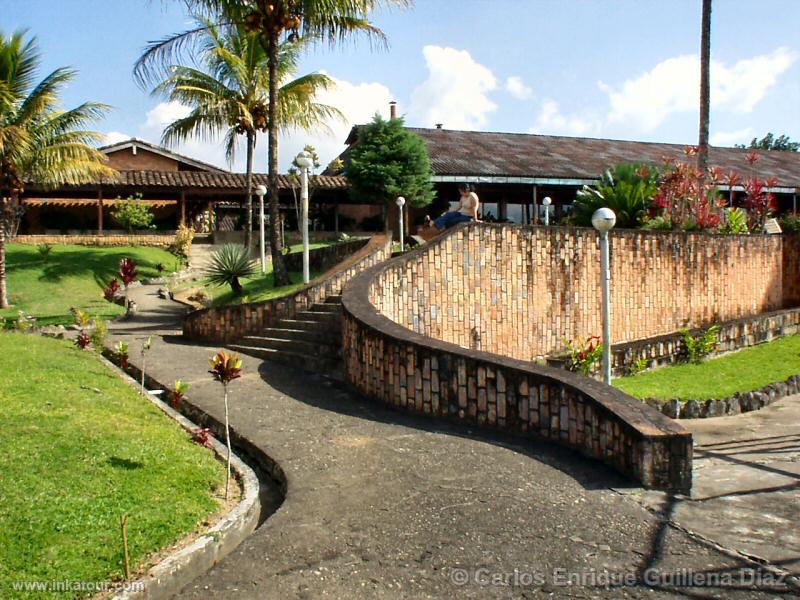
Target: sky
<point>622,69</point>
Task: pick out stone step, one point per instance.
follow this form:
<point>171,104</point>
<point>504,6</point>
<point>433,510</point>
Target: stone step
<point>314,364</point>
<point>309,325</point>
<point>314,334</point>
<point>297,346</point>
<point>327,308</point>
<point>325,318</point>
<point>335,299</point>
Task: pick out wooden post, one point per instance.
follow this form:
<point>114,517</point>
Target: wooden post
<point>99,211</point>
<point>336,217</point>
<point>183,208</point>
<point>535,204</point>
<point>124,523</point>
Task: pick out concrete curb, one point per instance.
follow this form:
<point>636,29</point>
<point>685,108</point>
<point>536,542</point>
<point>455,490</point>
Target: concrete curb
<point>180,568</point>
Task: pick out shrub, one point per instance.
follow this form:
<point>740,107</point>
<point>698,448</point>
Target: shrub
<point>688,198</point>
<point>225,368</point>
<point>44,251</point>
<point>790,223</point>
<point>736,221</point>
<point>584,354</point>
<point>183,240</point>
<point>111,291</point>
<point>121,349</point>
<point>133,213</point>
<point>179,393</point>
<point>699,346</point>
<point>82,319</point>
<point>657,223</point>
<point>626,188</point>
<point>24,322</point>
<point>127,271</point>
<point>83,340</point>
<point>98,335</point>
<point>202,436</point>
<point>637,366</point>
<point>228,265</point>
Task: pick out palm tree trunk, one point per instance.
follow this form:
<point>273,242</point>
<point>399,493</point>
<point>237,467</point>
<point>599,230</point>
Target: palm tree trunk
<point>705,87</point>
<point>280,276</point>
<point>248,231</point>
<point>3,284</point>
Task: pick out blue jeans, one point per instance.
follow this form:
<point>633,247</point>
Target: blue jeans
<point>451,218</point>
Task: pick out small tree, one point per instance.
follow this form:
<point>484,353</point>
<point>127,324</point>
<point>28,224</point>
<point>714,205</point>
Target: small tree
<point>133,213</point>
<point>225,368</point>
<point>389,161</point>
<point>770,142</point>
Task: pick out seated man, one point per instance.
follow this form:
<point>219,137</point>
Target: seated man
<point>467,210</point>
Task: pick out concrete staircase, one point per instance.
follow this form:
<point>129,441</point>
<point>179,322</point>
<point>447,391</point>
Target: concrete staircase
<point>310,341</point>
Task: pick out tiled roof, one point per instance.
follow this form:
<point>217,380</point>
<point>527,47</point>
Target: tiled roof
<point>525,155</point>
<point>208,180</point>
<point>487,154</point>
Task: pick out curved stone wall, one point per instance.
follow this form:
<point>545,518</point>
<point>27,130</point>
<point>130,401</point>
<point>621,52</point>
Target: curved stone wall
<point>522,291</point>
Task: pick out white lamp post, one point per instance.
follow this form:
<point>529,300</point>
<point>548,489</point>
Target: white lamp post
<point>546,202</point>
<point>261,192</point>
<point>305,162</point>
<point>400,202</point>
<point>603,220</point>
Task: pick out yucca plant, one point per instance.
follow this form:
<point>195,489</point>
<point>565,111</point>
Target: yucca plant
<point>225,368</point>
<point>626,188</point>
<point>228,265</point>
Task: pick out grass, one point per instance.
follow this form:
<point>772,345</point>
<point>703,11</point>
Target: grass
<point>81,448</point>
<point>257,289</point>
<point>72,276</point>
<point>721,377</point>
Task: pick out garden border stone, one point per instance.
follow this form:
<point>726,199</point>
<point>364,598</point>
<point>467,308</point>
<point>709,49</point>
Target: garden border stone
<point>740,402</point>
<point>171,574</point>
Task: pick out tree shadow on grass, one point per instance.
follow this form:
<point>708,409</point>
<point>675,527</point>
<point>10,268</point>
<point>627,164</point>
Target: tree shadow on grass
<point>124,463</point>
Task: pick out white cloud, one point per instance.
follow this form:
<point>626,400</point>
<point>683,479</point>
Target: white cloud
<point>517,88</point>
<point>114,137</point>
<point>455,92</point>
<point>729,138</point>
<point>552,121</point>
<point>641,105</point>
<point>672,86</point>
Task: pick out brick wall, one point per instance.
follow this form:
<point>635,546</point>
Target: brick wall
<point>322,259</point>
<point>226,323</point>
<point>111,239</point>
<point>521,291</point>
<point>419,374</point>
<point>791,270</point>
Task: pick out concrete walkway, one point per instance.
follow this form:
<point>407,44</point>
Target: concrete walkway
<point>385,505</point>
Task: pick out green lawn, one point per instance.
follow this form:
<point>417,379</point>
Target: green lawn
<point>742,371</point>
<point>72,276</point>
<point>257,289</point>
<point>74,459</point>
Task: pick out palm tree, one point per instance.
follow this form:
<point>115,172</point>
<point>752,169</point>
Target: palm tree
<point>39,141</point>
<point>705,87</point>
<point>230,94</point>
<point>273,20</point>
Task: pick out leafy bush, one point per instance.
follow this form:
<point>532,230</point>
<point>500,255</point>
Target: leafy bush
<point>98,335</point>
<point>183,240</point>
<point>626,188</point>
<point>790,223</point>
<point>228,265</point>
<point>44,251</point>
<point>82,319</point>
<point>179,393</point>
<point>688,198</point>
<point>736,222</point>
<point>121,350</point>
<point>657,223</point>
<point>111,291</point>
<point>699,346</point>
<point>584,354</point>
<point>133,213</point>
<point>127,271</point>
<point>83,340</point>
<point>637,366</point>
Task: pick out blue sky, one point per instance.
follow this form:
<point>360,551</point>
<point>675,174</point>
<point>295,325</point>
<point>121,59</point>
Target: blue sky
<point>612,68</point>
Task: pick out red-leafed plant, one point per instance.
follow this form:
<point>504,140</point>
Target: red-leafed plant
<point>225,368</point>
<point>179,393</point>
<point>127,271</point>
<point>202,436</point>
<point>584,354</point>
<point>111,290</point>
<point>83,340</point>
<point>122,354</point>
<point>688,198</point>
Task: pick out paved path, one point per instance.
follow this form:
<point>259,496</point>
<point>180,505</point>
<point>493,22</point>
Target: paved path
<point>385,505</point>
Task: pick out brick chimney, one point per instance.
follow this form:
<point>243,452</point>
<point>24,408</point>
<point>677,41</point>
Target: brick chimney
<point>392,109</point>
<point>439,125</point>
